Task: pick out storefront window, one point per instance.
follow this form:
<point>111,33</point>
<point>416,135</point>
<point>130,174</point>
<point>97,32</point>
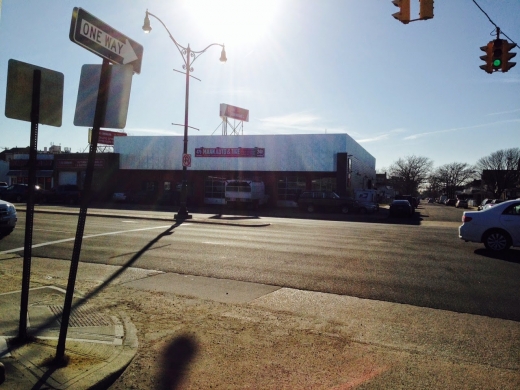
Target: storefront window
<point>324,184</point>
<point>214,188</point>
<point>150,186</point>
<point>167,186</point>
<point>289,188</point>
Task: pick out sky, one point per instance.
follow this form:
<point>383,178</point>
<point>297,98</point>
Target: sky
<point>298,66</point>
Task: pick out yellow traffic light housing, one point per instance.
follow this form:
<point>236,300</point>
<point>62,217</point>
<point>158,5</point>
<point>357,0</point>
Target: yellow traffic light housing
<point>488,66</point>
<point>404,10</point>
<point>426,9</point>
<point>496,60</point>
<point>506,56</point>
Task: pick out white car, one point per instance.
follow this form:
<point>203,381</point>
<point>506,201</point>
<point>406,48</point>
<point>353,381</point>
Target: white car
<point>497,227</point>
<point>8,218</point>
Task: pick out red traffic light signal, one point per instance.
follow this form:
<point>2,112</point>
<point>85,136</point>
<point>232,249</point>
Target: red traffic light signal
<point>506,56</point>
<point>404,10</point>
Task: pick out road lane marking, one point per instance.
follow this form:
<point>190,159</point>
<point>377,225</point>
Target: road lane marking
<point>84,237</point>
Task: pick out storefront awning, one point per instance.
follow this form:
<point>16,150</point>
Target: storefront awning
<point>25,173</point>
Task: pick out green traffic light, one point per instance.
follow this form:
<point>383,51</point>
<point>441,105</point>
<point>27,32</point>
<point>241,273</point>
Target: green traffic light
<point>497,63</point>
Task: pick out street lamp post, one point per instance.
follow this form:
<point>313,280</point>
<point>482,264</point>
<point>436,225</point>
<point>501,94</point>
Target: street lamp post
<point>189,56</point>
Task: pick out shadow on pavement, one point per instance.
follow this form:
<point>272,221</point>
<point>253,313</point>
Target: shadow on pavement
<point>79,302</point>
<point>174,362</point>
<point>511,255</point>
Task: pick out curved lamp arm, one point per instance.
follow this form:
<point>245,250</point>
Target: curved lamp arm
<point>184,51</point>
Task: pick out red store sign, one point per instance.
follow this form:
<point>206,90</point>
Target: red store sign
<point>78,164</point>
<point>229,152</point>
<point>24,163</point>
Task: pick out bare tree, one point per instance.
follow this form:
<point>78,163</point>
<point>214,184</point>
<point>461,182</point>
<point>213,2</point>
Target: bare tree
<point>500,170</point>
<point>453,175</point>
<point>407,174</point>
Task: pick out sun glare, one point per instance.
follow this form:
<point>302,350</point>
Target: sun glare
<point>233,21</point>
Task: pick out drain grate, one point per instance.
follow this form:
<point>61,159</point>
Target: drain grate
<point>81,316</point>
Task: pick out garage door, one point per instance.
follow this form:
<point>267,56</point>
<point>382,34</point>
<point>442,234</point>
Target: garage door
<point>68,178</point>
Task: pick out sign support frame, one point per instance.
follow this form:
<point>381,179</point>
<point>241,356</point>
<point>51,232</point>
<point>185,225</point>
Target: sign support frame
<point>29,221</point>
<point>99,117</point>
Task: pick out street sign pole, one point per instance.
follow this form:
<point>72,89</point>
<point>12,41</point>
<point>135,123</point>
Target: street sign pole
<point>103,40</point>
<point>99,117</point>
<point>29,217</point>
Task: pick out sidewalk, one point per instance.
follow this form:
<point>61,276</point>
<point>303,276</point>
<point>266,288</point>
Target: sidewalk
<point>99,346</point>
<point>214,333</point>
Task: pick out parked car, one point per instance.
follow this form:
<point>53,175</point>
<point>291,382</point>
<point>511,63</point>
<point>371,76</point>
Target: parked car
<point>450,202</point>
<point>3,185</point>
<point>326,200</point>
<point>64,193</point>
<point>141,196</point>
<point>8,218</point>
<point>399,208</point>
<point>497,227</point>
<point>462,203</point>
<point>492,203</point>
<point>19,193</point>
<point>431,200</point>
<point>484,202</point>
<point>119,196</point>
<point>412,200</point>
<point>367,199</point>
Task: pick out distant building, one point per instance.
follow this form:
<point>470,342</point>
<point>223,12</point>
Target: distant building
<point>287,164</point>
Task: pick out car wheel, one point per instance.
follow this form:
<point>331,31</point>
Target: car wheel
<point>310,208</point>
<point>497,240</point>
<point>344,209</point>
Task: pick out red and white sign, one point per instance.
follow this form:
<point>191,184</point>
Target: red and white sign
<point>78,163</point>
<point>105,137</point>
<point>229,152</point>
<point>186,160</point>
<point>237,113</point>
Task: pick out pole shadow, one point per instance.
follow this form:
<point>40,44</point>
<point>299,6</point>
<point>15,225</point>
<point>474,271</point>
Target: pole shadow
<point>16,342</point>
<point>174,362</point>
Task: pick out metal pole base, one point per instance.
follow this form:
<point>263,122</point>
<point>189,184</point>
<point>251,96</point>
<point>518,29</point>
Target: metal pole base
<point>182,214</point>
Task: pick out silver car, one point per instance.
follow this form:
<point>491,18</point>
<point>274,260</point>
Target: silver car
<point>8,218</point>
<point>498,227</point>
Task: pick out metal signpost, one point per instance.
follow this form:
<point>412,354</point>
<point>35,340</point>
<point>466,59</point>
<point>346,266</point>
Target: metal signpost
<point>101,39</point>
<point>34,94</point>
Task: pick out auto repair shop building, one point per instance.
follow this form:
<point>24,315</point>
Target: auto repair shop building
<point>287,164</point>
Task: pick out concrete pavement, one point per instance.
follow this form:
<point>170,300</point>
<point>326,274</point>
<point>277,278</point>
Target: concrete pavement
<point>399,346</point>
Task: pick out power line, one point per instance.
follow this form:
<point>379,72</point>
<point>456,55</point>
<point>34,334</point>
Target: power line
<point>493,23</point>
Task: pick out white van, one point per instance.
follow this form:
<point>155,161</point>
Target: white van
<point>368,200</point>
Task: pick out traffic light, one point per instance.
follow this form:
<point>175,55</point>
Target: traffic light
<point>496,61</point>
<point>488,67</point>
<point>404,10</point>
<point>426,9</point>
<point>506,56</point>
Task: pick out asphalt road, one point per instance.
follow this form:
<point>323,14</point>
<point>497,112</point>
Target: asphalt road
<point>420,262</point>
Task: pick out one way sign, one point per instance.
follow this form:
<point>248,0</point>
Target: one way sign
<point>98,37</point>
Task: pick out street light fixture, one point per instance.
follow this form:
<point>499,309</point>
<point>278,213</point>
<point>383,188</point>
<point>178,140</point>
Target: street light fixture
<point>189,56</point>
